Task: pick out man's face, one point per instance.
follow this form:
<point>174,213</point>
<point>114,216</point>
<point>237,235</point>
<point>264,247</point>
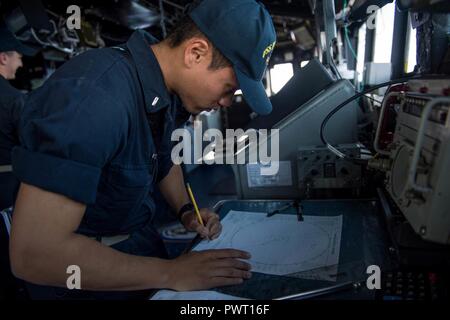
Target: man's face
<point>10,61</point>
<point>205,89</point>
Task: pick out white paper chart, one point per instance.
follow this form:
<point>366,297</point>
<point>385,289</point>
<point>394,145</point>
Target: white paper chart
<point>281,245</point>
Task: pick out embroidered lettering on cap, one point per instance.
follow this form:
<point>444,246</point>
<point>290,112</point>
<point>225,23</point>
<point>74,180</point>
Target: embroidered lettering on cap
<point>269,49</point>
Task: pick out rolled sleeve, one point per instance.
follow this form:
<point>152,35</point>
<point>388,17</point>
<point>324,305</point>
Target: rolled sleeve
<point>176,118</point>
<point>165,154</point>
<point>164,165</point>
<point>75,180</point>
<point>68,132</point>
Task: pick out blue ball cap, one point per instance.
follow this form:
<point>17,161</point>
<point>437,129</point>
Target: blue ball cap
<point>8,42</point>
<point>243,31</point>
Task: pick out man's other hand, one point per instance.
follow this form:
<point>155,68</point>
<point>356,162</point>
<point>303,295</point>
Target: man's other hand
<point>200,270</point>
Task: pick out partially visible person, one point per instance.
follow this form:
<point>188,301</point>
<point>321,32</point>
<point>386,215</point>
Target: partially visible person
<point>11,100</point>
<point>95,143</point>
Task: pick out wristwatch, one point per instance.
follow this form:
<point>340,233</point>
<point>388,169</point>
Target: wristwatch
<point>187,207</point>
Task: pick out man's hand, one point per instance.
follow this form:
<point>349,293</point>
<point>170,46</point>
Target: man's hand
<point>208,269</point>
<point>174,191</point>
<point>212,227</point>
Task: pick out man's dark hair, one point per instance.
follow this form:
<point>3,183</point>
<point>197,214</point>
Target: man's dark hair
<point>186,29</point>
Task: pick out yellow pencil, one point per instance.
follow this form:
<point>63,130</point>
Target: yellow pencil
<point>191,195</point>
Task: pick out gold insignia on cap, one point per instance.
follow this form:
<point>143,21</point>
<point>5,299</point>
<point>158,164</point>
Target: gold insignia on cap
<point>268,50</point>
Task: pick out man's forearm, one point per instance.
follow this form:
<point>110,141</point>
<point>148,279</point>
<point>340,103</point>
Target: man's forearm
<point>44,243</point>
<point>102,268</point>
<point>173,189</point>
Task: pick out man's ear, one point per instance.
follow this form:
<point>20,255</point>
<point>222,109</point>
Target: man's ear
<point>3,58</point>
<point>197,51</point>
